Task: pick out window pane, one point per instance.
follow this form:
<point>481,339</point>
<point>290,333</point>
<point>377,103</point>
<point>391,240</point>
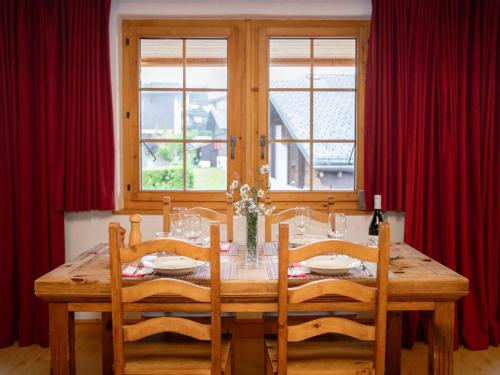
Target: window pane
<point>334,115</point>
<point>206,63</point>
<point>334,166</point>
<point>289,115</point>
<point>161,115</point>
<point>161,63</point>
<point>206,115</point>
<point>162,166</point>
<point>334,63</point>
<point>289,164</point>
<point>206,166</point>
<point>289,63</point>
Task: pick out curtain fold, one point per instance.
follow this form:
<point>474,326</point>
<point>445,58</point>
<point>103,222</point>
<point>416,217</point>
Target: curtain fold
<point>57,151</point>
<point>431,126</point>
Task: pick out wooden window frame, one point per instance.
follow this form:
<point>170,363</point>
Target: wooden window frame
<point>247,103</point>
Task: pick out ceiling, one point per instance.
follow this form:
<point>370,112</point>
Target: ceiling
<point>246,8</point>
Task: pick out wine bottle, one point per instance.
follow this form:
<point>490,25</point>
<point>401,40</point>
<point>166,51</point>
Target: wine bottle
<point>376,219</point>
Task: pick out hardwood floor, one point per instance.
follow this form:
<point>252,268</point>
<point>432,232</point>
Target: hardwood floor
<point>33,360</point>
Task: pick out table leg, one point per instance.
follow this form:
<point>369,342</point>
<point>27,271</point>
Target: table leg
<point>441,332</point>
<point>248,344</point>
<point>62,339</point>
<point>393,346</point>
<point>106,343</point>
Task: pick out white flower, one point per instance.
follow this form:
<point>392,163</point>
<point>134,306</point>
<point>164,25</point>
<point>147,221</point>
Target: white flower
<point>264,169</point>
<point>234,185</point>
<point>244,189</point>
<point>261,193</point>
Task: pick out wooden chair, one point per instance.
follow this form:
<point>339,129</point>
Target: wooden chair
<point>290,213</point>
<point>203,212</point>
<point>290,354</point>
<point>209,354</point>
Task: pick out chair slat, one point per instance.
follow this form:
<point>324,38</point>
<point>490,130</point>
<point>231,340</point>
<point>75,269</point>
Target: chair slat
<point>166,286</point>
<point>288,214</point>
<point>364,253</point>
<point>208,214</point>
<point>166,214</point>
<point>212,215</point>
<point>320,326</point>
<point>332,286</point>
<point>167,324</point>
<point>180,247</point>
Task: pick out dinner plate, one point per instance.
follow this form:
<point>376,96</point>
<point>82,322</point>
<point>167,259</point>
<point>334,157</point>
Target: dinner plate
<point>331,264</point>
<point>306,239</point>
<point>201,240</point>
<point>172,265</point>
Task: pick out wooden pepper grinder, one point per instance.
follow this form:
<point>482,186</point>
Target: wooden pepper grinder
<point>135,230</point>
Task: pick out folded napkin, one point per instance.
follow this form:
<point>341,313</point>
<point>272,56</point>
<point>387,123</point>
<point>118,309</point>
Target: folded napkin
<point>136,271</point>
<point>225,247</point>
<point>296,270</point>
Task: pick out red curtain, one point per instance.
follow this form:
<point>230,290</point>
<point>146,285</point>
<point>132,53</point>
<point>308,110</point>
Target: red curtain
<point>432,121</point>
<point>57,151</point>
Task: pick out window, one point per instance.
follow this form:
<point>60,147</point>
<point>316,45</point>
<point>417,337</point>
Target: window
<point>204,100</point>
<point>183,114</point>
<point>312,114</point>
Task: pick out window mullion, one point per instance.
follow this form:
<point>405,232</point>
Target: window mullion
<point>184,124</point>
<point>311,115</point>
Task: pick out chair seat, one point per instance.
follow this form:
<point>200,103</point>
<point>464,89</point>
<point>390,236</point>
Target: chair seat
<point>324,356</point>
<point>173,357</point>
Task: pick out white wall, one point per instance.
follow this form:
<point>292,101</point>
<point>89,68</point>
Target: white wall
<point>83,230</point>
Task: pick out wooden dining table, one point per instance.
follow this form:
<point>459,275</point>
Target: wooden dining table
<point>416,283</point>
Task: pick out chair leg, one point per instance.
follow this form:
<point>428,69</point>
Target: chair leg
<point>268,364</point>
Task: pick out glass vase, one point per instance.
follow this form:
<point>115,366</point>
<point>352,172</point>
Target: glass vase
<point>251,257</point>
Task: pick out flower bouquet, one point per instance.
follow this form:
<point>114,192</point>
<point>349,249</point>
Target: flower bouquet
<point>251,205</point>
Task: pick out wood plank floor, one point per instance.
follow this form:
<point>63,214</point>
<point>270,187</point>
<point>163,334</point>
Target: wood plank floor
<point>34,360</point>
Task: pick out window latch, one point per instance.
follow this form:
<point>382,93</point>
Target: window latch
<point>233,144</point>
<point>262,147</point>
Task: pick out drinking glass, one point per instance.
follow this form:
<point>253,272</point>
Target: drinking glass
<point>178,216</point>
<point>337,225</point>
<point>193,227</point>
<point>302,219</point>
<point>162,235</point>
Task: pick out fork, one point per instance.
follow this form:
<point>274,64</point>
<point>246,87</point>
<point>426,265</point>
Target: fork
<point>363,267</point>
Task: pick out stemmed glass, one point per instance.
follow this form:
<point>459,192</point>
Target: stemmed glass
<point>302,219</point>
<point>193,227</point>
<point>178,220</point>
<point>337,226</point>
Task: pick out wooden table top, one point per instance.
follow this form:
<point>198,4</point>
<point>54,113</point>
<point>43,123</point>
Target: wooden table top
<point>413,277</point>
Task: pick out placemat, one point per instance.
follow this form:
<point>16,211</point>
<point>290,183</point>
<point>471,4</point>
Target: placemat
<point>228,271</point>
<point>357,273</point>
<point>233,250</point>
<point>271,249</point>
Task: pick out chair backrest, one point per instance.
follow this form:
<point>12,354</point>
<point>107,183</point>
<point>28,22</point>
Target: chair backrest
<point>363,297</point>
<point>207,213</point>
<point>132,298</point>
<point>290,213</point>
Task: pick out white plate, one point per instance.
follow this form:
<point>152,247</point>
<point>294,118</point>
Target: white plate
<point>306,239</point>
<point>172,265</point>
<point>201,241</point>
<point>331,264</point>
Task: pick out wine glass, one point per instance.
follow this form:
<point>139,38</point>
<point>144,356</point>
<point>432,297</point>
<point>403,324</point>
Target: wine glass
<point>302,219</point>
<point>193,227</point>
<point>160,235</point>
<point>337,225</point>
<point>178,216</point>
